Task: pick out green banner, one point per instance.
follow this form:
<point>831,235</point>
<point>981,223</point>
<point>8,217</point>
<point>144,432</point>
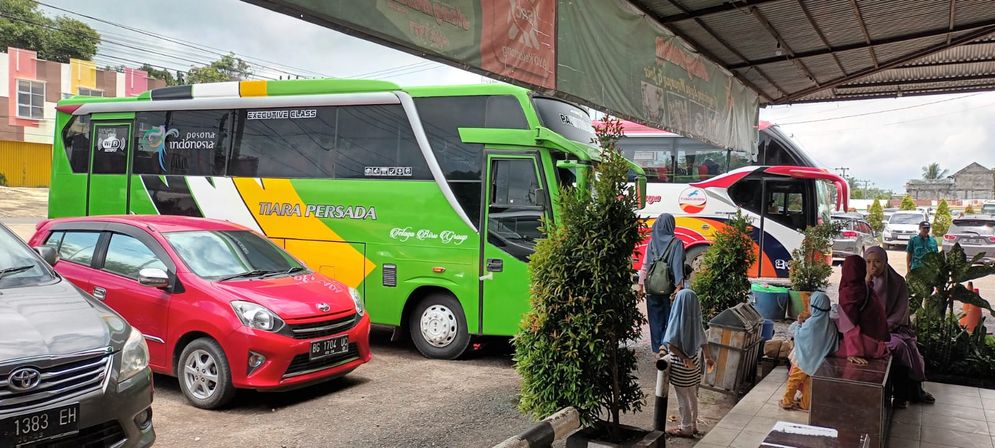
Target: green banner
<point>603,53</point>
<point>614,56</point>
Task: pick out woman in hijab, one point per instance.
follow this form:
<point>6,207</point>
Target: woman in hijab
<point>891,291</point>
<point>861,320</point>
<point>814,340</point>
<point>685,339</point>
<point>662,243</point>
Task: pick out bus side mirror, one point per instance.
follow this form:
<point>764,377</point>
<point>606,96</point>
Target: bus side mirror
<point>540,197</point>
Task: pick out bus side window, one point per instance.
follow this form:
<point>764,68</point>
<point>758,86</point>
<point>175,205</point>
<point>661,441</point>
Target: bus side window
<point>185,142</point>
<point>110,149</point>
<point>76,141</point>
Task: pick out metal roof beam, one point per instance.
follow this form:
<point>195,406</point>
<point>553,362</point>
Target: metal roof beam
<point>905,82</point>
<point>863,27</point>
<point>777,36</point>
<point>729,5</point>
<point>822,36</point>
<point>973,35</point>
<point>869,96</point>
<point>857,46</point>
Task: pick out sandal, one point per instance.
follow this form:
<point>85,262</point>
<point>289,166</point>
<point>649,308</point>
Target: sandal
<point>674,432</point>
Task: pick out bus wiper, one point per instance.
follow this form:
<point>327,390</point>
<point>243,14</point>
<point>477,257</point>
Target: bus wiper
<point>14,270</point>
<point>252,273</point>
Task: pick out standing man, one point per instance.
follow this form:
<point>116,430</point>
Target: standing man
<point>919,246</point>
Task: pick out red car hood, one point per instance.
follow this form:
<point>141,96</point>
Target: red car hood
<point>293,297</point>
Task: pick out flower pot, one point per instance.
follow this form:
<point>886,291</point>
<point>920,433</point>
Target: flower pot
<point>597,436</point>
<point>799,303</point>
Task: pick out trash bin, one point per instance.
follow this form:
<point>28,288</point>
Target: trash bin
<point>734,338</point>
<point>771,301</point>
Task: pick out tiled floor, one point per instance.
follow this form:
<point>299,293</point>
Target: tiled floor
<point>963,417</point>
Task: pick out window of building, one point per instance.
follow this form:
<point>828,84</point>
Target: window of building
<point>30,99</point>
<point>337,142</point>
<point>185,142</point>
<point>84,91</point>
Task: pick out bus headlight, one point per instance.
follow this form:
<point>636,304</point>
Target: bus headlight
<point>134,356</point>
<point>357,300</point>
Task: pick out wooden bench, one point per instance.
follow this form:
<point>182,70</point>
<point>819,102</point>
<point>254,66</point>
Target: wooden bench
<point>855,400</point>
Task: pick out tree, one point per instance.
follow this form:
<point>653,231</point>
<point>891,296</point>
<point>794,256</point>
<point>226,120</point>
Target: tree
<point>160,74</point>
<point>933,172</point>
<point>907,203</point>
<point>876,216</point>
<point>573,348</point>
<point>969,210</point>
<point>228,68</point>
<point>723,281</point>
<point>55,39</point>
<point>942,219</point>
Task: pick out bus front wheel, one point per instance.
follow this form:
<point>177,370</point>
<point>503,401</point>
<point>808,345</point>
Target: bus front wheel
<point>438,327</point>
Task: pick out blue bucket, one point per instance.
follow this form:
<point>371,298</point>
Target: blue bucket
<point>771,301</point>
<point>767,333</point>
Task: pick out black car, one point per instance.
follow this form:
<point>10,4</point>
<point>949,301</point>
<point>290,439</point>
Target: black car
<point>72,372</point>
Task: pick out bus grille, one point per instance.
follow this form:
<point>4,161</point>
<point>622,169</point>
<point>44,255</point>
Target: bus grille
<point>323,328</point>
<point>57,383</point>
<point>301,365</point>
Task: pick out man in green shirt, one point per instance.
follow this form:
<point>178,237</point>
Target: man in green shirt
<point>919,246</point>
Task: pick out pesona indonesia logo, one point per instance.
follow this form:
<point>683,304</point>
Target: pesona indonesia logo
<point>692,200</point>
<point>154,140</point>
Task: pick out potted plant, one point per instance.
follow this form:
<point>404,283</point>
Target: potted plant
<point>810,265</point>
<point>723,279</point>
<point>573,348</point>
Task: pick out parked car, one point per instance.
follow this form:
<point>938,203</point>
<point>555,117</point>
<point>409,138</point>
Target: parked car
<point>901,226</point>
<point>856,236</point>
<point>988,209</point>
<point>975,233</point>
<point>72,371</point>
<point>221,306</point>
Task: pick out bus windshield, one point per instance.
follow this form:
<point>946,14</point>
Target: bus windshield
<point>566,119</point>
<point>825,193</point>
<point>673,159</point>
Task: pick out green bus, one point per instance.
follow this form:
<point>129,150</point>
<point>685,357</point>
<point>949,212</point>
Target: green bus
<point>427,200</point>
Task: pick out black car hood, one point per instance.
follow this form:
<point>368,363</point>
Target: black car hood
<point>55,319</point>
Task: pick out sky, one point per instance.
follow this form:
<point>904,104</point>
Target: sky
<point>885,141</point>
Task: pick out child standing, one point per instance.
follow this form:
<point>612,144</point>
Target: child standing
<point>685,338</point>
<point>815,339</point>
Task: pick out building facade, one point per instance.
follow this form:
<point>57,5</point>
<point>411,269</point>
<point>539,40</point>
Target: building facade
<point>971,183</point>
<point>29,90</point>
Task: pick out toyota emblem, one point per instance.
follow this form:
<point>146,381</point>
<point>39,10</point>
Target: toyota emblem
<point>323,307</point>
<point>24,379</point>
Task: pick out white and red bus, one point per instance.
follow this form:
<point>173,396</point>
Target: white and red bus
<point>702,185</point>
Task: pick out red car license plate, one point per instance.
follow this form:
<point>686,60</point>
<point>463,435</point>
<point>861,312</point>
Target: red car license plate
<point>29,428</point>
<point>329,347</point>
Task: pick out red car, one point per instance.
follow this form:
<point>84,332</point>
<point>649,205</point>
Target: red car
<point>220,306</point>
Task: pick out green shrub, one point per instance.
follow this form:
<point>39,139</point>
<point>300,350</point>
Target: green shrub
<point>572,347</point>
<point>723,280</point>
<point>809,270</point>
<point>942,220</point>
<point>907,203</point>
<point>876,216</point>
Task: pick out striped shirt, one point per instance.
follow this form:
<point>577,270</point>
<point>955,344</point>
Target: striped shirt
<point>681,376</point>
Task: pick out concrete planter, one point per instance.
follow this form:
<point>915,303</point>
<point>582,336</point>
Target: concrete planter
<point>633,437</point>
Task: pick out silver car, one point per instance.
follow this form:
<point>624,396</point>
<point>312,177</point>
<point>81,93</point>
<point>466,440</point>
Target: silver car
<point>975,233</point>
<point>856,236</point>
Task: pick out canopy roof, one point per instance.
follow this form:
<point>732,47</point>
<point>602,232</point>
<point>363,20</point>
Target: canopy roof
<point>793,51</point>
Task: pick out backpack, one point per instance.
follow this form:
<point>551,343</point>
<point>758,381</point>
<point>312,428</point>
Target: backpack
<point>660,277</point>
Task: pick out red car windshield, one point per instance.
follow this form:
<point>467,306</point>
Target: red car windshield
<point>220,254</point>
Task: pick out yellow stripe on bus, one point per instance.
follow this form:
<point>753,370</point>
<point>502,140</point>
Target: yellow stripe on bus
<point>326,252</point>
<point>252,88</point>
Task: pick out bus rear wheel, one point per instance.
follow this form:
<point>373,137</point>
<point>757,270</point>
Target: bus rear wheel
<point>438,327</point>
